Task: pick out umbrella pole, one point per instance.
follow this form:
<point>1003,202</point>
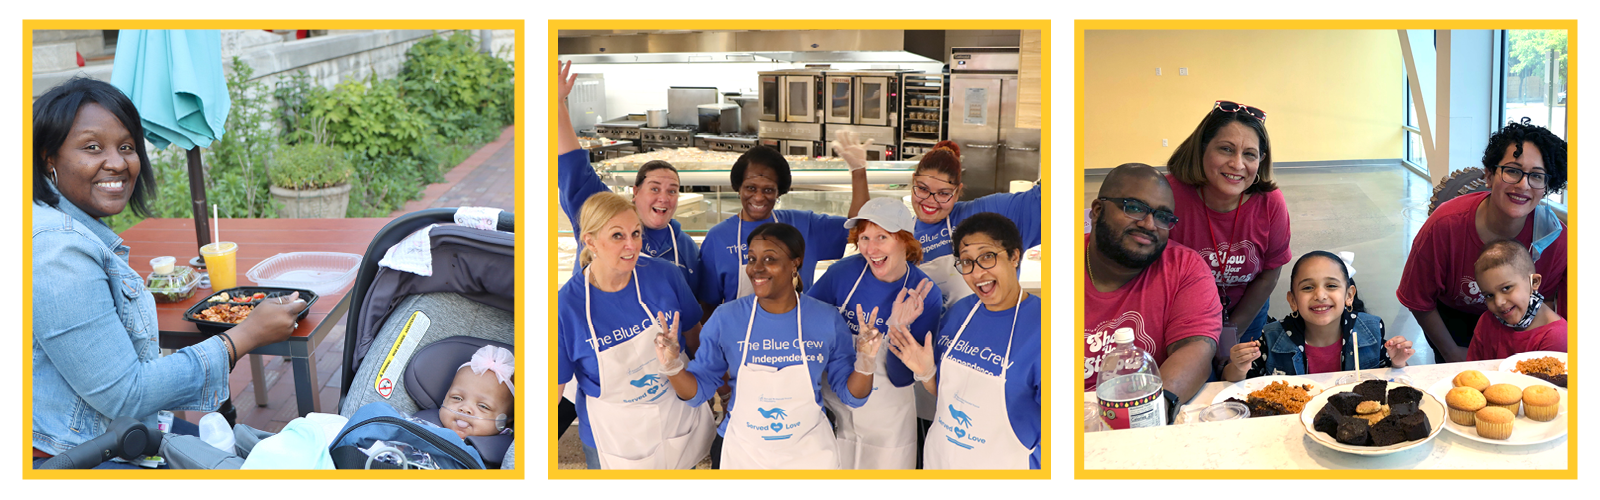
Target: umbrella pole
<point>197,192</point>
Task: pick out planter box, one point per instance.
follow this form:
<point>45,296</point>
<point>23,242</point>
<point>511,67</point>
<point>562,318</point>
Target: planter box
<point>327,203</point>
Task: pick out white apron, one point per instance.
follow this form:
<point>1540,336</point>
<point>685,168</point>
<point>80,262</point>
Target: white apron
<point>972,429</point>
<point>777,422</point>
<point>942,270</point>
<point>638,422</point>
<point>882,433</point>
<point>745,287</point>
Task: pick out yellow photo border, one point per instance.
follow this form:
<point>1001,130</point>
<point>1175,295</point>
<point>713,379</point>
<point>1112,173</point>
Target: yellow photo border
<point>1571,472</point>
<point>28,26</point>
<point>554,397</point>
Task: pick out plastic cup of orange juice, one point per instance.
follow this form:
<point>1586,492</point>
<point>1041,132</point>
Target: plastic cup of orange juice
<point>222,260</point>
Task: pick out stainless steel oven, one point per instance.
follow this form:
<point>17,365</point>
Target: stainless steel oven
<point>840,107</point>
<point>873,105</point>
<point>883,144</point>
<point>793,147</point>
<point>801,103</point>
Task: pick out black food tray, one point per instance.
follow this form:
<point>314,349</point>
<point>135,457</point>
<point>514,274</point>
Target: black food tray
<point>213,327</point>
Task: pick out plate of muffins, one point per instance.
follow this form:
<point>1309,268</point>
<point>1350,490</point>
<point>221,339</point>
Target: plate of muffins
<point>1374,417</point>
<point>1503,407</point>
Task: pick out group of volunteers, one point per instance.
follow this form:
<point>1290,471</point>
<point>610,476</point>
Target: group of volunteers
<point>925,330</point>
<point>1189,259</point>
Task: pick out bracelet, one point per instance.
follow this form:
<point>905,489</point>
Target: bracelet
<point>233,351</point>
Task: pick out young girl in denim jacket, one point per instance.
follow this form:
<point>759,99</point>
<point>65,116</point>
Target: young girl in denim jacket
<point>1316,336</point>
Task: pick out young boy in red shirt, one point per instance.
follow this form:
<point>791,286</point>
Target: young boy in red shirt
<point>1517,320</point>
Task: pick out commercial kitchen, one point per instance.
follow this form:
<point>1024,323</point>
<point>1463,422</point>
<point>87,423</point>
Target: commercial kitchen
<point>700,99</point>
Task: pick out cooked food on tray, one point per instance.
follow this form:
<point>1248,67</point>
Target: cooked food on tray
<point>239,299</point>
<point>1278,398</point>
<point>224,313</point>
<point>1548,366</point>
<point>1370,416</point>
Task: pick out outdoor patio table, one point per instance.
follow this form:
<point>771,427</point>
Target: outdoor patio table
<point>1281,442</point>
<point>258,240</point>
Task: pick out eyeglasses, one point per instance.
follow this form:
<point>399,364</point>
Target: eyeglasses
<point>1138,210</point>
<point>943,195</point>
<point>1513,175</point>
<point>1234,107</point>
<point>986,261</point>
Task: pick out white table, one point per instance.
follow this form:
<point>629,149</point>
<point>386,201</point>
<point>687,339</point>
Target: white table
<point>1281,442</point>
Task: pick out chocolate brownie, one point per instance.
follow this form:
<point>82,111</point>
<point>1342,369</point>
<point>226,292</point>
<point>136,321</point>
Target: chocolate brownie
<point>1353,431</point>
<point>1327,420</point>
<point>1404,400</point>
<point>1346,402</point>
<point>1374,390</point>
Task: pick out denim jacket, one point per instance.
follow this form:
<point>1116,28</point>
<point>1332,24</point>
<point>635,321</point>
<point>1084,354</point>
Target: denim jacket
<point>96,353</point>
<point>1286,353</point>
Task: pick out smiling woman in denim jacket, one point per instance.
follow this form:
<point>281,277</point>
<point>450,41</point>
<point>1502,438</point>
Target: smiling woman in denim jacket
<point>95,347</point>
<point>1315,337</point>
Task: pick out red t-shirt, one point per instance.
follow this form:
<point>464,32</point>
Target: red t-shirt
<point>1324,359</point>
<point>1493,340</point>
<point>1439,269</point>
<point>1260,243</point>
<point>1172,299</point>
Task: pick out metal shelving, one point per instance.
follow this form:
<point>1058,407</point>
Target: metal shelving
<point>923,112</point>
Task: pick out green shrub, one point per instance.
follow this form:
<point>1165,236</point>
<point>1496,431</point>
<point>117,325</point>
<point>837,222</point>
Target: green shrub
<point>309,165</point>
<point>464,91</point>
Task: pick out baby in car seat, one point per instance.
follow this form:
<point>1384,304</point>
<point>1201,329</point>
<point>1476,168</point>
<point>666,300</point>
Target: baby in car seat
<point>480,397</point>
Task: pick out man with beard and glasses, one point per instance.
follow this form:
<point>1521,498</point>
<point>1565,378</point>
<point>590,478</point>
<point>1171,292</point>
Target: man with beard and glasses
<point>1136,279</point>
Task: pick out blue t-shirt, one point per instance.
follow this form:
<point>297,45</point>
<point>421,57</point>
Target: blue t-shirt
<point>835,284</point>
<point>578,181</point>
<point>724,249</point>
<point>1022,208</point>
<point>617,318</point>
<point>983,345</point>
<point>828,347</point>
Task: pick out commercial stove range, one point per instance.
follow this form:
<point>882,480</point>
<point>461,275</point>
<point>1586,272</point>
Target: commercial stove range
<point>737,143</point>
<point>671,136</point>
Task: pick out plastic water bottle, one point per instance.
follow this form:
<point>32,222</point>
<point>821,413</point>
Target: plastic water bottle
<point>1129,387</point>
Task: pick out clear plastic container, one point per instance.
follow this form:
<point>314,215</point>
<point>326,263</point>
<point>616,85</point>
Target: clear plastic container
<point>1129,387</point>
<point>321,272</point>
<point>1229,410</point>
<point>176,286</point>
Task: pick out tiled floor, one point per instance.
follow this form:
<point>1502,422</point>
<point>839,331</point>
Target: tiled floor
<point>483,179</point>
<point>1374,211</point>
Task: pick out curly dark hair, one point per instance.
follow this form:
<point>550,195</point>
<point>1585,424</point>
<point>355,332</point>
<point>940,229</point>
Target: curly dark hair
<point>1552,149</point>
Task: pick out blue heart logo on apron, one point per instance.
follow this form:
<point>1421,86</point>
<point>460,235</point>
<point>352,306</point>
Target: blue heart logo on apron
<point>776,427</point>
<point>960,432</point>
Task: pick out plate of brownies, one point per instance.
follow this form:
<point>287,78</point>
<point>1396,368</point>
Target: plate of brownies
<point>1375,417</point>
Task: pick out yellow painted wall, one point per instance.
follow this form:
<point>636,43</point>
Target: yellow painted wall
<point>1328,94</point>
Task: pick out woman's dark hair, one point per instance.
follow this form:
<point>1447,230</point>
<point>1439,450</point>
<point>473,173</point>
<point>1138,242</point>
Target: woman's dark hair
<point>763,156</point>
<point>1552,150</point>
<point>1187,163</point>
<point>651,166</point>
<point>53,114</point>
<point>997,226</point>
<point>1356,306</point>
<point>784,234</point>
<point>944,159</point>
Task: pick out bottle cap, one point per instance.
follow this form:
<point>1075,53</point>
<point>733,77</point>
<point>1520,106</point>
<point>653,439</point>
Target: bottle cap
<point>1123,335</point>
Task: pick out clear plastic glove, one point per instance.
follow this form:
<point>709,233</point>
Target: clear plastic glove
<point>917,357</point>
<point>667,351</point>
<point>565,81</point>
<point>908,305</point>
<point>847,146</point>
<point>868,340</point>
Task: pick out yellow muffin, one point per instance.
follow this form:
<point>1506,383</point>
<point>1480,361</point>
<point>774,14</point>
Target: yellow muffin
<point>1505,396</point>
<point>1494,422</point>
<point>1464,403</point>
<point>1472,378</point>
<point>1541,403</point>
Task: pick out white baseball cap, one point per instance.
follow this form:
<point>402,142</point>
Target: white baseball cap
<point>889,213</point>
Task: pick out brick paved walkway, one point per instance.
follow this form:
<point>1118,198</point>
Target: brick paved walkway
<point>484,179</point>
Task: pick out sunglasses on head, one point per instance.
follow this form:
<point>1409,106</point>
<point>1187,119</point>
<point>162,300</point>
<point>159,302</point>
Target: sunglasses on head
<point>1234,107</point>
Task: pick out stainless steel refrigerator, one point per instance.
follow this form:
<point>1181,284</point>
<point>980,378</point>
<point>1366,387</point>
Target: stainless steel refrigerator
<point>983,116</point>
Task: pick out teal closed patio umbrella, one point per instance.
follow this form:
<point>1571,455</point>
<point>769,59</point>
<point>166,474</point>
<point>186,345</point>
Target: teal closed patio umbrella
<point>175,79</point>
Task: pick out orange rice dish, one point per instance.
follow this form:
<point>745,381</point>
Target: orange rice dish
<point>1546,365</point>
<point>1292,397</point>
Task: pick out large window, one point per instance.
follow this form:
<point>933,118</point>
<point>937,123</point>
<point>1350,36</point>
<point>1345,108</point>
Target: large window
<point>1534,80</point>
<point>1415,154</point>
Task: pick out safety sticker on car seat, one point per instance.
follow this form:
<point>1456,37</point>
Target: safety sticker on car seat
<point>404,345</point>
